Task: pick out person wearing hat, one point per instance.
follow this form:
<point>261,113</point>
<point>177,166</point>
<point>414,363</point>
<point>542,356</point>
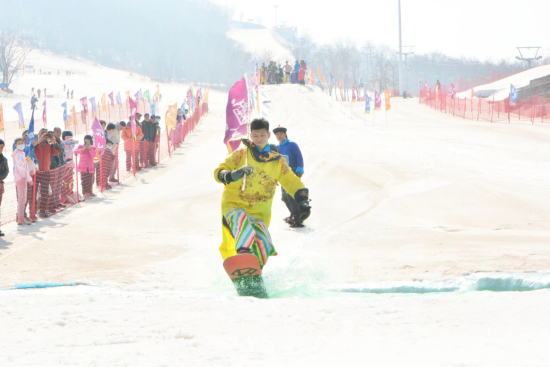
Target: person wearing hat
<point>293,156</point>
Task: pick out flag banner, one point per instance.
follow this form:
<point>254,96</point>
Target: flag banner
<point>331,80</point>
<point>367,104</point>
<point>73,114</point>
<point>236,115</point>
<point>427,88</point>
<point>158,91</point>
<point>83,118</point>
<point>453,91</point>
<point>133,111</point>
<point>1,118</point>
<point>437,92</point>
<point>513,95</point>
<point>29,152</point>
<point>127,94</point>
<point>419,84</point>
<point>112,99</point>
<point>170,116</point>
<point>146,95</point>
<point>94,106</point>
<point>353,95</point>
<point>472,99</point>
<point>138,95</point>
<point>64,105</point>
<point>19,108</point>
<point>377,100</point>
<point>99,136</point>
<point>118,99</point>
<point>387,96</point>
<point>197,99</point>
<point>44,119</point>
<point>84,101</point>
<point>208,91</point>
<point>103,103</point>
<point>189,99</point>
<point>154,108</point>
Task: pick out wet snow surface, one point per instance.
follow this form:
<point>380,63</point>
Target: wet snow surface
<point>427,246</point>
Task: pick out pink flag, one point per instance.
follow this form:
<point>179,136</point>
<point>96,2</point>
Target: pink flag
<point>236,115</point>
<point>44,114</point>
<point>111,97</point>
<point>84,101</point>
<point>353,95</point>
<point>453,91</point>
<point>377,100</point>
<point>427,88</point>
<point>99,136</point>
<point>189,99</point>
<point>133,111</point>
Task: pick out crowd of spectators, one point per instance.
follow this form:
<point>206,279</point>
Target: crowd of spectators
<point>283,74</point>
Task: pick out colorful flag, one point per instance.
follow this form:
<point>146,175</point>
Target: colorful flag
<point>1,118</point>
<point>64,105</point>
<point>19,108</point>
<point>29,151</point>
<point>103,103</point>
<point>208,90</point>
<point>170,116</point>
<point>377,100</point>
<point>387,96</point>
<point>99,136</point>
<point>513,95</point>
<point>154,108</point>
<point>44,119</point>
<point>436,92</point>
<point>146,95</point>
<point>353,95</point>
<point>236,115</point>
<point>138,95</point>
<point>73,114</point>
<point>94,106</point>
<point>189,99</point>
<point>111,97</point>
<point>118,99</point>
<point>367,104</point>
<point>133,111</point>
<point>453,91</point>
<point>419,84</point>
<point>472,99</point>
<point>84,101</point>
<point>427,88</point>
<point>158,91</point>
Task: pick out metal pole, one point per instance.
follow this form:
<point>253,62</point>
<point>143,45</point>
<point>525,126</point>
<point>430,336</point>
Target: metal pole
<point>400,51</point>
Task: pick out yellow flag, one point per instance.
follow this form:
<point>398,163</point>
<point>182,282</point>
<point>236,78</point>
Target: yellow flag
<point>158,91</point>
<point>1,118</point>
<point>206,94</point>
<point>387,96</point>
<point>170,116</point>
<point>103,103</point>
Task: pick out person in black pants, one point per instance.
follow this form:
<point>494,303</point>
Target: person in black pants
<point>4,171</point>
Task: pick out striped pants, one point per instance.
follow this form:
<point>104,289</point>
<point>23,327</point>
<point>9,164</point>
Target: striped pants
<point>250,233</point>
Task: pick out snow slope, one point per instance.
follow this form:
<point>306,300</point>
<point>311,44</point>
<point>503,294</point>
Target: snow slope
<point>263,44</point>
<point>501,88</point>
<point>424,199</point>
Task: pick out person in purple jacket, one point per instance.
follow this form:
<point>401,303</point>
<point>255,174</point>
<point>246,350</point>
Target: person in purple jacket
<point>293,156</point>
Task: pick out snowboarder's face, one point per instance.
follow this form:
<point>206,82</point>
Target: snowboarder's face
<point>281,136</point>
<point>260,137</point>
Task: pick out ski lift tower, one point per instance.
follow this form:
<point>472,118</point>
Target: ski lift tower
<point>528,60</point>
<point>407,50</point>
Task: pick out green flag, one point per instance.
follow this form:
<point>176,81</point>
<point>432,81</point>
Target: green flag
<point>146,95</point>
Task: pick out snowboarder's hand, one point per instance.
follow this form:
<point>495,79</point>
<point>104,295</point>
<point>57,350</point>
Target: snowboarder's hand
<point>299,174</point>
<point>239,173</point>
<point>305,209</point>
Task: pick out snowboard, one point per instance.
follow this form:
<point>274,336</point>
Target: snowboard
<point>245,272</point>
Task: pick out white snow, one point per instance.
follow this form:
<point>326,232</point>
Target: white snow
<point>429,198</point>
<point>500,89</point>
<point>263,44</point>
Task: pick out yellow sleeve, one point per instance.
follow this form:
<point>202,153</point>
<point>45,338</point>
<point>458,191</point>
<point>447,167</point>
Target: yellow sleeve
<point>290,182</point>
<point>231,163</point>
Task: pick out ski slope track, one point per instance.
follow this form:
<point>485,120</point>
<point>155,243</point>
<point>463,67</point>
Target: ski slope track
<point>427,246</point>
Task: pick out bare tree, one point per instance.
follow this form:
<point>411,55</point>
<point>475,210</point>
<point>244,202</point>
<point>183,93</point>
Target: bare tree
<point>304,47</point>
<point>13,51</point>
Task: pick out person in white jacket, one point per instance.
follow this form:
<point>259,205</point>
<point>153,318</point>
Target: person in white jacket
<point>22,177</point>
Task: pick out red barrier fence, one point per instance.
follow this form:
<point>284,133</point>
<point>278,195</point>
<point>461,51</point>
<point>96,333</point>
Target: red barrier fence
<point>535,109</point>
<point>60,188</point>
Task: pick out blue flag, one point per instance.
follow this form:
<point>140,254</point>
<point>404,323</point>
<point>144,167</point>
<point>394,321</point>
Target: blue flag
<point>154,108</point>
<point>64,105</point>
<point>367,105</point>
<point>29,148</point>
<point>513,95</point>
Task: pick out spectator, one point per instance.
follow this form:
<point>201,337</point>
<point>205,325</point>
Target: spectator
<point>149,129</point>
<point>104,127</point>
<point>72,94</point>
<point>57,173</point>
<point>39,92</point>
<point>86,166</point>
<point>146,128</point>
<point>33,102</point>
<point>131,146</point>
<point>107,160</point>
<point>44,148</point>
<point>113,134</point>
<point>287,69</point>
<point>302,73</point>
<point>68,94</point>
<point>67,193</point>
<point>4,171</point>
<point>22,179</point>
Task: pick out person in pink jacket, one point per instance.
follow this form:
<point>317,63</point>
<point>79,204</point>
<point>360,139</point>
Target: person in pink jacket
<point>86,165</point>
<point>22,177</point>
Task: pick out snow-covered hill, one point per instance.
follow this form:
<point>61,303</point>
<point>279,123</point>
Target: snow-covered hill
<point>263,44</point>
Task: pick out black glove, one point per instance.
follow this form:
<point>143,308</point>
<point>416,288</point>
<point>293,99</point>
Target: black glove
<point>305,209</point>
<point>231,176</point>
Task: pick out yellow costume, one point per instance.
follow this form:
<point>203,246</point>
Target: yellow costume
<point>257,197</point>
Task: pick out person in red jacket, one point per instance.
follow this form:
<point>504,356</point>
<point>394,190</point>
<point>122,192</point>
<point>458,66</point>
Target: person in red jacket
<point>44,148</point>
<point>86,165</point>
<point>302,72</point>
<point>131,145</point>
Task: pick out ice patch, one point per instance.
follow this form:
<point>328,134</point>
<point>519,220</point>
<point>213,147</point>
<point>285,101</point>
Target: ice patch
<point>496,282</point>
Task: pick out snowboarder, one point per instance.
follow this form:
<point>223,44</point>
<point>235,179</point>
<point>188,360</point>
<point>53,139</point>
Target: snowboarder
<point>72,94</point>
<point>39,92</point>
<point>246,214</point>
<point>293,156</point>
<point>33,102</point>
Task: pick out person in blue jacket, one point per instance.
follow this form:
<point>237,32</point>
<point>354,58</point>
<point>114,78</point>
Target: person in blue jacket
<point>293,157</point>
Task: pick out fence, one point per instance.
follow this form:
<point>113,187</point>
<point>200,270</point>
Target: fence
<point>535,109</point>
<point>60,188</point>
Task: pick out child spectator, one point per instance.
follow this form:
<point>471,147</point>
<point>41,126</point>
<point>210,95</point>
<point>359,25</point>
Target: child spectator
<point>131,145</point>
<point>67,193</point>
<point>86,165</point>
<point>22,178</point>
<point>4,171</point>
<point>113,134</point>
<point>107,159</point>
